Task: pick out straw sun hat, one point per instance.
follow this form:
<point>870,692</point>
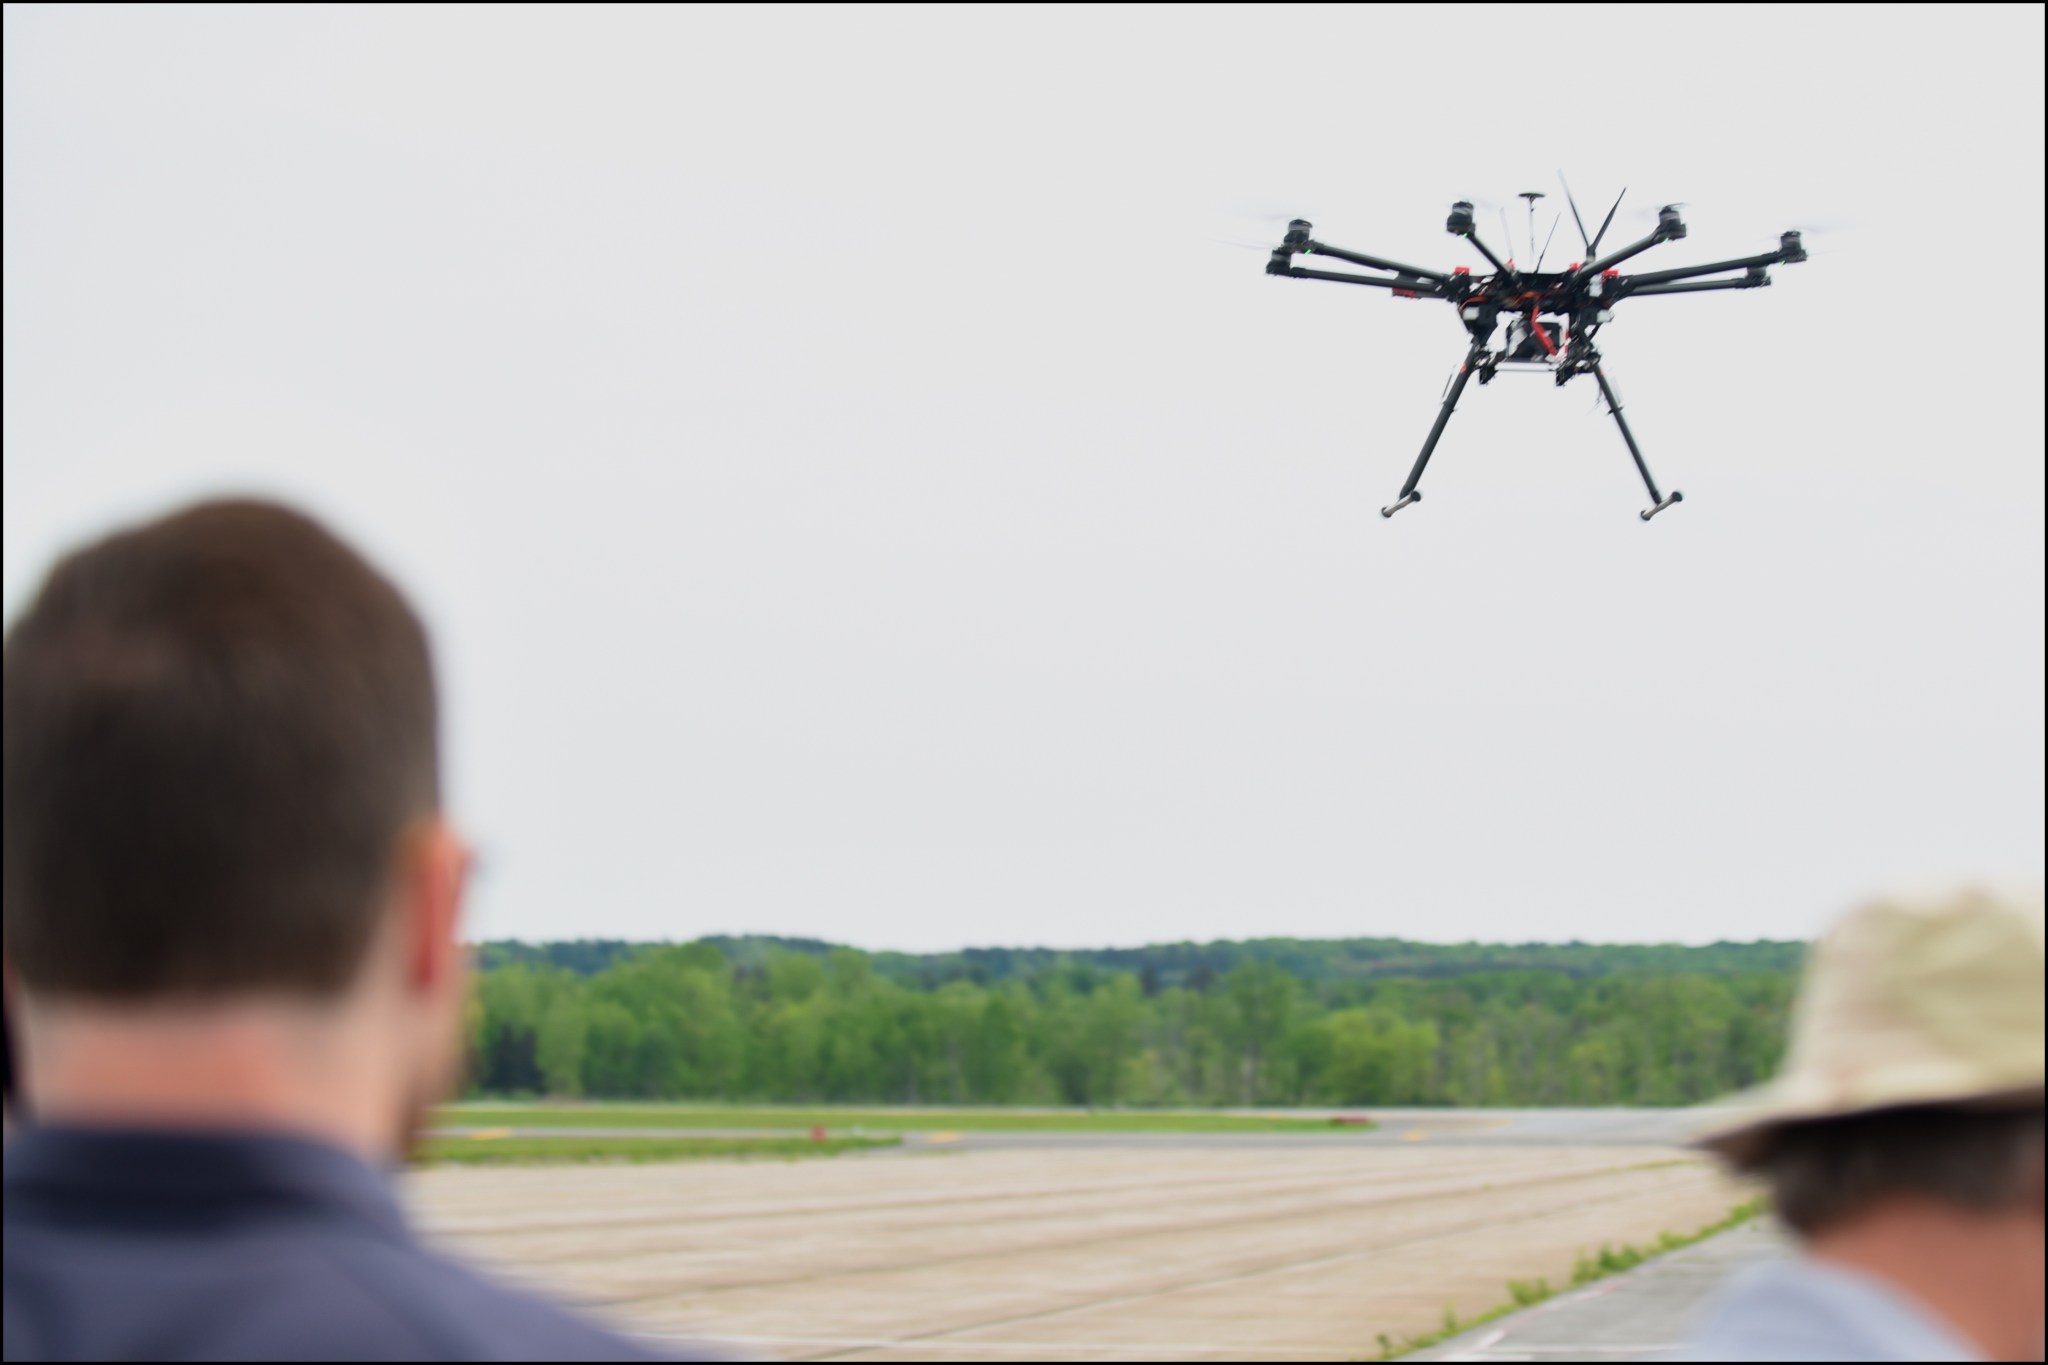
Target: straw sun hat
<point>1934,1001</point>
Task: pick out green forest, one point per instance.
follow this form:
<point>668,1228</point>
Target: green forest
<point>1275,1021</point>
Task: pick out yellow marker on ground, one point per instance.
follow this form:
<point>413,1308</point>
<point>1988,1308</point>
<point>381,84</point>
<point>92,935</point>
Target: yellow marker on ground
<point>943,1137</point>
<point>486,1134</point>
<point>1416,1136</point>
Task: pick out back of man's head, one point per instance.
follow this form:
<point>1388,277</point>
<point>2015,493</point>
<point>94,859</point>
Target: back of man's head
<point>231,912</point>
<point>1826,1173</point>
<point>217,727</point>
<point>1904,1138</point>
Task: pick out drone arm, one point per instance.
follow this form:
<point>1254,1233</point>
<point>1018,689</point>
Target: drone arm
<point>1373,262</point>
<point>1418,288</point>
<point>1614,258</point>
<point>1755,279</point>
<point>1484,250</point>
<point>1689,271</point>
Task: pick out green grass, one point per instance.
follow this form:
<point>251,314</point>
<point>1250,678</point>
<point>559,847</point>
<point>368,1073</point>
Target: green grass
<point>1591,1266</point>
<point>870,1120</point>
<point>511,1151</point>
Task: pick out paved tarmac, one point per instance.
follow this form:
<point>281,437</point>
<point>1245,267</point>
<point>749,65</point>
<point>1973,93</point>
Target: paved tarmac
<point>1092,1246</point>
<point>1641,1315</point>
<point>1439,1127</point>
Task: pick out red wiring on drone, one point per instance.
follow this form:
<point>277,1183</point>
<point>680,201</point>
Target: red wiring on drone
<point>1542,332</point>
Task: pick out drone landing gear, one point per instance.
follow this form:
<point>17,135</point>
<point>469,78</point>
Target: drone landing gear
<point>1614,407</point>
<point>1473,357</point>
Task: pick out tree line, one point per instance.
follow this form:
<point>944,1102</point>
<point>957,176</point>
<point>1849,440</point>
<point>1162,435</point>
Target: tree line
<point>803,1022</point>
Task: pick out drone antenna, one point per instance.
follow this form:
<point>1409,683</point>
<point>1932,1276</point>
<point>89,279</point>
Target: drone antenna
<point>1575,212</point>
<point>1532,196</point>
<point>1593,247</point>
<point>1554,221</point>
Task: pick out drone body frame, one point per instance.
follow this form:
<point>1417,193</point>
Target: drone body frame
<point>1582,296</point>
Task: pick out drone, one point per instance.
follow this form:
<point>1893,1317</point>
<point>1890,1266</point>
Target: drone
<point>1581,296</point>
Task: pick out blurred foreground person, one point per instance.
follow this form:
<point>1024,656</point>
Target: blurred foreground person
<point>1902,1146</point>
<point>230,920</point>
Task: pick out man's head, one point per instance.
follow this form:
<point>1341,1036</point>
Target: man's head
<point>221,792</point>
<point>1824,1173</point>
<point>1905,1136</point>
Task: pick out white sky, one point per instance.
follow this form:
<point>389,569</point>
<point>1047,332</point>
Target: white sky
<point>856,495</point>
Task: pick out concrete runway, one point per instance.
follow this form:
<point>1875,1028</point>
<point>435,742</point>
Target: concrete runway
<point>1442,1127</point>
<point>988,1246</point>
<point>1642,1315</point>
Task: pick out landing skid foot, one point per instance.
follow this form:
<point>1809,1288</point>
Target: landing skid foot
<point>1676,496</point>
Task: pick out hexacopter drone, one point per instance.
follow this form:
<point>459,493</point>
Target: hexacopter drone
<point>1581,295</point>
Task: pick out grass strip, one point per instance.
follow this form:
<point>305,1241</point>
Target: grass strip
<point>530,1151</point>
<point>1590,1266</point>
<point>874,1120</point>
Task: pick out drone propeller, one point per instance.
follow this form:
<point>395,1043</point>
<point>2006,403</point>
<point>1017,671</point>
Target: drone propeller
<point>1823,225</point>
<point>1647,213</point>
<point>1244,216</point>
<point>1827,236</point>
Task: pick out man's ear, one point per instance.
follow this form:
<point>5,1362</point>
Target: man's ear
<point>432,879</point>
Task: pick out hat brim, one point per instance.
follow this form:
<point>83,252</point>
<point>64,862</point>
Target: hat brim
<point>1738,1128</point>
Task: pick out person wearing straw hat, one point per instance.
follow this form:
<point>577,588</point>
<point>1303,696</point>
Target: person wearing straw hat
<point>1902,1145</point>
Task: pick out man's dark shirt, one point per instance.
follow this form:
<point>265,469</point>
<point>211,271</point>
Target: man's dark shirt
<point>137,1245</point>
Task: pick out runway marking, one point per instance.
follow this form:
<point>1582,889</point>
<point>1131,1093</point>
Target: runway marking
<point>486,1134</point>
<point>942,1137</point>
<point>1417,1136</point>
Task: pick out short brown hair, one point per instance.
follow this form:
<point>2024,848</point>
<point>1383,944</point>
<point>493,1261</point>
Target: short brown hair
<point>216,727</point>
<point>1823,1171</point>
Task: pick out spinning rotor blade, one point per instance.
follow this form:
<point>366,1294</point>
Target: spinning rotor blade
<point>1575,214</point>
<point>1248,215</point>
<point>1648,212</point>
<point>1593,247</point>
<point>1822,225</point>
<point>1247,229</point>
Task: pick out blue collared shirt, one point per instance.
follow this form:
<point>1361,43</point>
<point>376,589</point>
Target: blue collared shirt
<point>1800,1309</point>
<point>127,1245</point>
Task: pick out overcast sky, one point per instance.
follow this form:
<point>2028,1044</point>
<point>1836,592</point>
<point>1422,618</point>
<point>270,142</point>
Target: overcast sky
<point>859,489</point>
